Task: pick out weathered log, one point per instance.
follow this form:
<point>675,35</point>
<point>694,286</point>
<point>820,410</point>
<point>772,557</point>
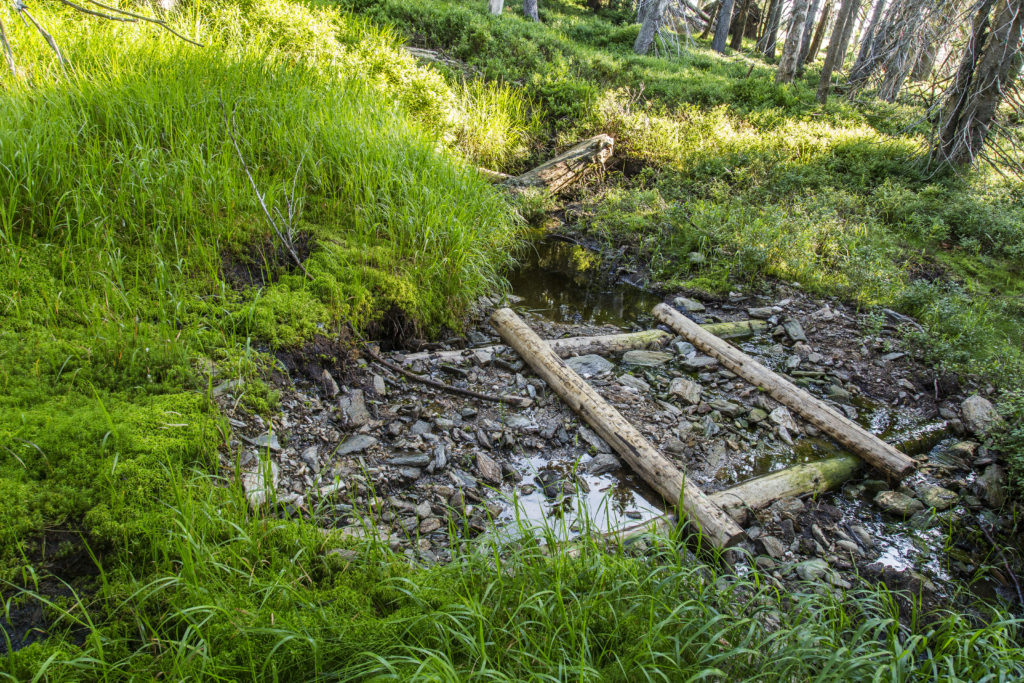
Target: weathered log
<point>601,344</point>
<point>812,477</point>
<point>848,433</point>
<point>494,176</point>
<point>653,467</point>
<point>569,166</point>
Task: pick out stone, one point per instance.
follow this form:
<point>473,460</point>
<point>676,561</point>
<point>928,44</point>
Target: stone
<point>311,456</point>
<point>837,393</point>
<point>520,423</point>
<point>420,427</point>
<point>674,446</point>
<point>647,359</point>
<point>862,536</point>
<point>684,348</point>
<point>488,469</point>
<point>979,414</point>
<point>895,355</point>
<point>353,409</point>
<point>430,525</point>
<point>696,258</point>
<point>698,363</point>
<point>936,497</point>
<point>423,510</point>
<point>762,313</point>
<point>794,330</point>
<point>602,464</point>
<point>685,389</point>
<point>410,461</point>
<point>689,305</point>
<point>813,570</point>
<point>783,418</point>
<point>256,485</point>
<point>409,472</point>
<point>355,444</point>
<point>379,387</point>
<point>773,547</point>
<point>633,382</point>
<point>590,365</point>
<point>898,504</point>
<point>595,441</point>
<point>727,407</point>
<point>267,440</point>
<point>757,415</point>
<point>990,486</point>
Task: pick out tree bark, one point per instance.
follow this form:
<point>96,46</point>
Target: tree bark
<point>662,475</point>
<point>791,48</point>
<point>569,166</point>
<point>496,6</point>
<point>653,15</point>
<point>768,39</point>
<point>722,26</point>
<point>805,38</point>
<point>530,10</point>
<point>713,14</point>
<point>837,45</point>
<point>850,435</point>
<point>739,25</point>
<point>819,34</point>
<point>867,41</point>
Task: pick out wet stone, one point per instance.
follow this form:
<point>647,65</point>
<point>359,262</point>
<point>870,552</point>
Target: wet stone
<point>488,468</point>
<point>990,486</point>
<point>602,464</point>
<point>698,363</point>
<point>593,440</point>
<point>979,414</point>
<point>689,305</point>
<point>590,365</point>
<point>648,359</point>
<point>794,330</point>
<point>899,504</point>
<point>356,444</point>
<point>937,497</point>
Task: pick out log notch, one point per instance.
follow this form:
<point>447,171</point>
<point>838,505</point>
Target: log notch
<point>569,166</point>
<point>859,441</point>
<point>812,477</point>
<point>663,476</point>
<point>604,344</point>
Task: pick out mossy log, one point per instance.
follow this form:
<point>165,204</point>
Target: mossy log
<point>812,477</point>
<point>852,436</point>
<point>661,474</point>
<point>569,166</point>
<point>737,329</point>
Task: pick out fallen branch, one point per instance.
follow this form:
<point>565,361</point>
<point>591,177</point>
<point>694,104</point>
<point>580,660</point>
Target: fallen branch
<point>518,401</point>
<point>569,166</point>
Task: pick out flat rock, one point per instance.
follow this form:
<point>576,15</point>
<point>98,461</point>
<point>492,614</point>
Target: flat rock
<point>761,313</point>
<point>685,389</point>
<point>794,330</point>
<point>698,363</point>
<point>420,427</point>
<point>783,418</point>
<point>634,382</point>
<point>488,468</point>
<point>267,440</point>
<point>356,444</point>
<point>757,415</point>
<point>689,305</point>
<point>590,365</point>
<point>979,414</point>
<point>410,461</point>
<point>937,497</point>
<point>773,546</point>
<point>603,463</point>
<point>257,486</point>
<point>593,439</point>
<point>647,359</point>
<point>353,409</point>
<point>899,504</point>
<point>727,407</point>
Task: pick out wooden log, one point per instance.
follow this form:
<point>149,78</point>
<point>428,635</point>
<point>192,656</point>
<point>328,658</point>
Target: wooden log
<point>600,344</point>
<point>812,477</point>
<point>653,467</point>
<point>494,176</point>
<point>569,166</point>
<point>852,436</point>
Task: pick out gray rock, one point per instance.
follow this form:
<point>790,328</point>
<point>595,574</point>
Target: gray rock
<point>590,365</point>
<point>684,349</point>
<point>409,472</point>
<point>674,445</point>
<point>686,390</point>
<point>602,464</point>
<point>267,440</point>
<point>898,504</point>
<point>813,570</point>
<point>423,510</point>
<point>773,547</point>
<point>794,330</point>
<point>420,427</point>
<point>591,438</point>
<point>862,535</point>
<point>256,484</point>
<point>895,355</point>
<point>379,387</point>
<point>937,497</point>
<point>355,444</point>
<point>311,456</point>
<point>687,304</point>
<point>837,393</point>
<point>698,363</point>
<point>463,478</point>
<point>757,415</point>
<point>727,408</point>
<point>520,423</point>
<point>990,486</point>
<point>647,359</point>
<point>430,525</point>
<point>783,418</point>
<point>353,409</point>
<point>628,380</point>
<point>979,414</point>
<point>488,469</point>
<point>410,461</point>
<point>762,313</point>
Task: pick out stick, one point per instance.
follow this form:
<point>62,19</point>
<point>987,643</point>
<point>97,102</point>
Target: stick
<point>878,453</point>
<point>7,50</point>
<point>518,401</point>
<point>638,452</point>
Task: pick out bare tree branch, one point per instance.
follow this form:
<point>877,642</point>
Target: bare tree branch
<point>7,49</point>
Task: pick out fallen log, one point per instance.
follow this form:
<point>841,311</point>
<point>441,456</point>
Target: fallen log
<point>494,176</point>
<point>852,436</point>
<point>601,344</point>
<point>653,467</point>
<point>569,166</point>
<point>812,477</point>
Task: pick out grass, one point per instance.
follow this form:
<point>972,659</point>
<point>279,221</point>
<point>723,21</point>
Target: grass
<point>126,218</point>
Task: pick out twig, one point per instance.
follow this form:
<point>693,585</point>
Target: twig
<point>46,36</point>
<point>232,130</point>
<point>7,49</point>
<point>142,17</point>
<point>101,15</point>
<point>1006,562</point>
<point>518,401</point>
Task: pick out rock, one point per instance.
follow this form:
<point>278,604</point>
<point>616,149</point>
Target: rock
<point>353,409</point>
<point>488,469</point>
<point>379,387</point>
<point>783,418</point>
<point>674,446</point>
<point>762,313</point>
<point>410,461</point>
<point>602,464</point>
<point>520,423</point>
<point>684,349</point>
<point>686,390</point>
<point>990,486</point>
<point>813,570</point>
<point>423,510</point>
<point>862,536</point>
<point>936,497</point>
<point>698,363</point>
<point>355,444</point>
<point>590,365</point>
<point>311,456</point>
<point>899,504</point>
<point>420,427</point>
<point>267,440</point>
<point>631,381</point>
<point>837,393</point>
<point>794,330</point>
<point>599,444</point>
<point>412,473</point>
<point>773,547</point>
<point>979,414</point>
<point>256,485</point>
<point>430,525</point>
<point>690,305</point>
<point>757,415</point>
<point>727,408</point>
<point>647,359</point>
<point>896,355</point>
<point>549,482</point>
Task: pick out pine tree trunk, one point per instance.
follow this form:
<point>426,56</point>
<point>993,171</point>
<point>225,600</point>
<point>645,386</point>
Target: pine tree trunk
<point>836,54</point>
<point>722,26</point>
<point>496,6</point>
<point>739,25</point>
<point>530,10</point>
<point>805,38</point>
<point>653,14</point>
<point>867,41</point>
<point>766,44</point>
<point>791,48</point>
<point>819,34</point>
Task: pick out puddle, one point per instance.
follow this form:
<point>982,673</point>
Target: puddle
<point>562,282</point>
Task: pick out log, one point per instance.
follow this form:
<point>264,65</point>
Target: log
<point>601,344</point>
<point>812,477</point>
<point>494,176</point>
<point>569,166</point>
<point>849,434</point>
<point>661,474</point>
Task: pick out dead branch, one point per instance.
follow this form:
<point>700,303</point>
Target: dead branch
<point>7,50</point>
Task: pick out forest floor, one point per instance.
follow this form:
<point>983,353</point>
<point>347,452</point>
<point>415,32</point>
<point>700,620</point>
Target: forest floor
<point>166,355</point>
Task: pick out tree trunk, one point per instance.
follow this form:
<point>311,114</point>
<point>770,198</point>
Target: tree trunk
<point>849,434</point>
<point>653,467</point>
<point>713,14</point>
<point>791,48</point>
<point>977,92</point>
<point>925,63</point>
<point>496,6</point>
<point>569,166</point>
<point>867,41</point>
<point>768,39</point>
<point>739,25</point>
<point>653,12</point>
<point>805,38</point>
<point>722,26</point>
<point>530,10</point>
<point>837,44</point>
<point>819,34</point>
